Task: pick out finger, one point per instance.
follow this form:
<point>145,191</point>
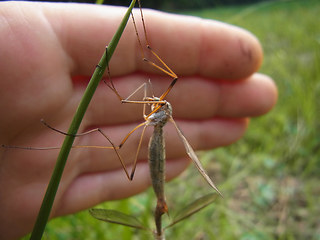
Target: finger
<point>201,99</point>
<point>102,186</point>
<point>193,98</point>
<point>33,71</point>
<point>250,98</point>
<point>189,45</point>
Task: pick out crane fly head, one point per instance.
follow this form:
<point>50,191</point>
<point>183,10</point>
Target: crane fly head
<point>162,112</point>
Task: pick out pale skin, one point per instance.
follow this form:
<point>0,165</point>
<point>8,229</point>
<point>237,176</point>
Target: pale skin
<point>43,48</point>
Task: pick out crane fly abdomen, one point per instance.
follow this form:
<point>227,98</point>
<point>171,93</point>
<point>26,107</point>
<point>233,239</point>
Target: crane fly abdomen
<point>157,162</point>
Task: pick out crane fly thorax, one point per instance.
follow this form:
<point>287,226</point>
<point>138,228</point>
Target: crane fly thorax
<point>161,116</point>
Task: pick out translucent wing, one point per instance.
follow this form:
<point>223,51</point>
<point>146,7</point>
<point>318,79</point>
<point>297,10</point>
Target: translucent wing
<point>194,157</point>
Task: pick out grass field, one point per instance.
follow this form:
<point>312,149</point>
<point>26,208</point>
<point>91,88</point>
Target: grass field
<point>270,178</point>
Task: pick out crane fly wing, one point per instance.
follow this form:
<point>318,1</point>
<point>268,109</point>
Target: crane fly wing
<point>194,157</point>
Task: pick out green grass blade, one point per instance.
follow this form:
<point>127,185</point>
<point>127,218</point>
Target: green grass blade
<point>117,217</point>
<point>99,1</point>
<point>48,199</point>
<point>193,208</point>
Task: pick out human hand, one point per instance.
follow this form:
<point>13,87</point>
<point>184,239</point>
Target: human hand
<point>48,53</point>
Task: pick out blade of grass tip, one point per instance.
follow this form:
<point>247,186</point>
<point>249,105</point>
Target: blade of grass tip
<point>99,1</point>
<point>52,188</point>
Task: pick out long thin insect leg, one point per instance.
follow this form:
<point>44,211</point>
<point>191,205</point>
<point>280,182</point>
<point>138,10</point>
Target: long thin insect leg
<point>144,105</point>
<point>128,135</point>
<point>119,156</point>
<point>142,134</point>
<point>164,68</point>
<point>145,99</point>
<point>137,153</point>
<point>30,148</point>
<point>127,100</point>
<point>111,85</point>
<point>169,89</point>
<point>134,92</point>
<point>89,132</point>
<point>113,88</point>
<point>67,134</point>
<point>138,37</point>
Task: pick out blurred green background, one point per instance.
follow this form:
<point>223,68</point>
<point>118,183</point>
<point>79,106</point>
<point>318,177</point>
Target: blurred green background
<point>178,5</point>
<point>270,178</point>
